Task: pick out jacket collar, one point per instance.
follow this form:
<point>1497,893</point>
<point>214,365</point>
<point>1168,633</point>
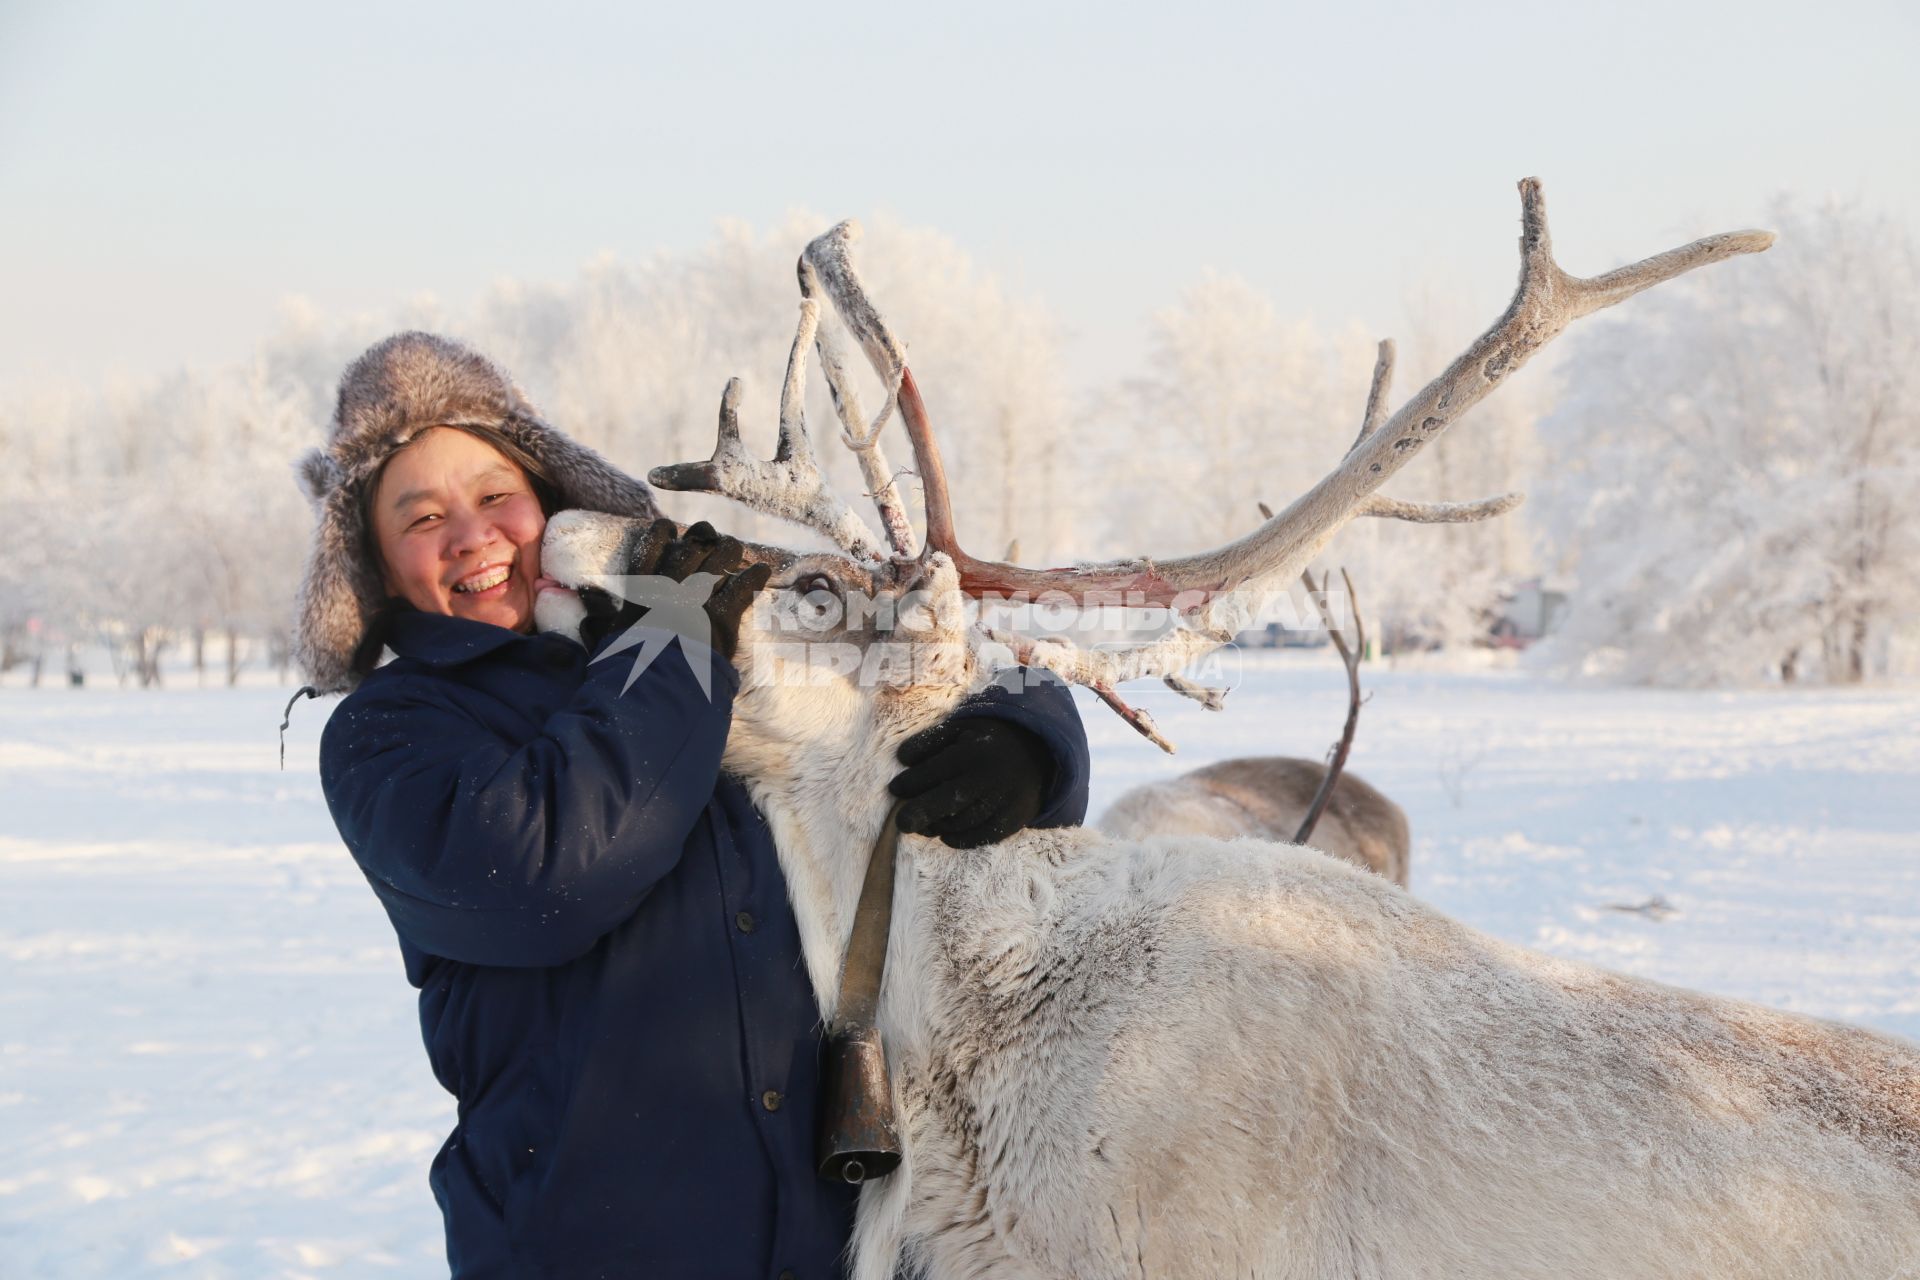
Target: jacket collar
<point>441,640</point>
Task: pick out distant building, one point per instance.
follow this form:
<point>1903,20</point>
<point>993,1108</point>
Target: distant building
<point>1527,611</point>
<point>1279,636</point>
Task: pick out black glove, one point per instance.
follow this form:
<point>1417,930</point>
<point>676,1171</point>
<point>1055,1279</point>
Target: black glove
<point>732,597</point>
<point>972,782</point>
<point>664,552</point>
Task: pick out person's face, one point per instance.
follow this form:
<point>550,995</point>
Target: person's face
<point>459,530</point>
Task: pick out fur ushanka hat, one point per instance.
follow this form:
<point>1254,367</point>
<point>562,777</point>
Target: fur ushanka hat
<point>400,387</point>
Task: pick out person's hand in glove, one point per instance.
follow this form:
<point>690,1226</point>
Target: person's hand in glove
<point>665,553</point>
<point>971,782</point>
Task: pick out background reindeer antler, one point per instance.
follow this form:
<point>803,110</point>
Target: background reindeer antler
<point>1350,651</point>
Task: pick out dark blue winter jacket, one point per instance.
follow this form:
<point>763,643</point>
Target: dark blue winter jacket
<point>609,971</point>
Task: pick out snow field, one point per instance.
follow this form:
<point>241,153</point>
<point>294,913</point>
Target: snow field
<point>210,1065</point>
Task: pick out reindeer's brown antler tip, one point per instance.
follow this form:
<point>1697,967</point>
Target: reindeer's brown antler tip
<point>705,477</point>
<point>683,477</point>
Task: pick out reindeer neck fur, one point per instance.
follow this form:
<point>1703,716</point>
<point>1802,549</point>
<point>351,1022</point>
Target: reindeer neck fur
<point>818,748</point>
<point>817,763</point>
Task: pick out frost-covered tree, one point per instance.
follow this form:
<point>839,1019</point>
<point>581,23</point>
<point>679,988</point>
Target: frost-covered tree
<point>28,578</point>
<point>1734,466</point>
<point>1232,403</point>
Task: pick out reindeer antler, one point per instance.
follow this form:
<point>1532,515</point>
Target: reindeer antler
<point>828,254</point>
<point>789,485</point>
<point>1350,655</point>
<point>1547,300</point>
<point>1217,591</point>
<point>1416,512</point>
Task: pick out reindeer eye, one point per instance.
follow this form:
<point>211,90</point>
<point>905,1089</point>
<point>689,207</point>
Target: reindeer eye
<point>817,602</point>
<point>815,582</point>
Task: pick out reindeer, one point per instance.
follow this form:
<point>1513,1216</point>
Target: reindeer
<point>1286,798</point>
<point>1269,798</point>
<point>1185,1057</point>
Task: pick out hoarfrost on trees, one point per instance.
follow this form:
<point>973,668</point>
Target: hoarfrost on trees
<point>1733,472</point>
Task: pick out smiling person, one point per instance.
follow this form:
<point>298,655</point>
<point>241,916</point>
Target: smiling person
<point>610,975</point>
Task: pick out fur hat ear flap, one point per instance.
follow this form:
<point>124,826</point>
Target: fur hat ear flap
<point>339,592</point>
<point>318,475</point>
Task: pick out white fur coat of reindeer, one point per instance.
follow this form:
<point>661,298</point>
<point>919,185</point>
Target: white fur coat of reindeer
<point>1183,1057</point>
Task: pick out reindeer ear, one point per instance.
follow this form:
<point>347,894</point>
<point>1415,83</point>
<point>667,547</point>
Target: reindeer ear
<point>318,475</point>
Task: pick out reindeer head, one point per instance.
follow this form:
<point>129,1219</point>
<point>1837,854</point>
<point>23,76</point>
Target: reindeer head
<point>838,654</point>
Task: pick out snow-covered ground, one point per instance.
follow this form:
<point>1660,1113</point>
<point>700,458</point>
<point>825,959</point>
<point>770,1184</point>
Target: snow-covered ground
<point>209,1064</point>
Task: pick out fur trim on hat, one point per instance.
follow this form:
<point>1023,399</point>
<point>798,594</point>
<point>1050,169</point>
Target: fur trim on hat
<point>400,387</point>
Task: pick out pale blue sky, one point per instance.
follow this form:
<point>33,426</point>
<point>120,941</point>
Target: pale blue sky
<point>168,172</point>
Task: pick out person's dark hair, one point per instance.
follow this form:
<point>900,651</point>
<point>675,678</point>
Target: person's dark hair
<point>545,492</point>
